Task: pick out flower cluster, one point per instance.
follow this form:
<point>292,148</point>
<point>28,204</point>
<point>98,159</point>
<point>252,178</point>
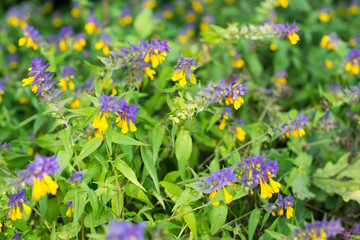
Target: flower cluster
<point>125,18</point>
<point>184,69</point>
<point>320,230</point>
<point>228,90</point>
<point>355,231</point>
<point>18,199</point>
<point>125,231</point>
<point>287,30</point>
<point>65,38</point>
<point>296,126</point>
<point>225,116</point>
<point>353,61</point>
<point>217,181</point>
<point>328,123</point>
<point>280,77</point>
<point>157,52</point>
<point>104,44</point>
<point>38,174</point>
<point>259,170</point>
<point>39,80</point>
<point>70,209</point>
<point>92,25</point>
<point>282,3</point>
<point>18,15</point>
<point>282,204</point>
<point>137,58</point>
<point>354,91</point>
<point>76,177</point>
<point>31,38</point>
<point>126,114</point>
<point>324,14</point>
<point>330,41</point>
<point>66,81</point>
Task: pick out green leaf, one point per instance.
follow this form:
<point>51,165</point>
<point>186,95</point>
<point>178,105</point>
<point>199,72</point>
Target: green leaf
<point>157,137</point>
<point>189,219</point>
<point>87,111</point>
<point>43,203</point>
<point>89,148</point>
<point>135,192</point>
<point>150,167</point>
<point>218,217</point>
<point>253,222</point>
<point>93,198</point>
<point>184,198</point>
<point>173,189</point>
<point>21,225</point>
<point>97,69</point>
<point>128,172</point>
<point>144,24</point>
<point>108,137</point>
<point>275,235</point>
<point>120,138</point>
<point>183,148</point>
<point>79,203</point>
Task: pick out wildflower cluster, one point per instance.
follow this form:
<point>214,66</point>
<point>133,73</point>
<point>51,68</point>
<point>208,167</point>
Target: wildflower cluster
<point>137,58</point>
<point>31,38</point>
<point>230,91</point>
<point>126,231</point>
<point>281,205</point>
<point>217,181</point>
<point>330,41</point>
<point>38,175</point>
<point>259,170</point>
<point>353,61</point>
<point>319,230</point>
<point>296,126</point>
<point>184,69</point>
<point>18,199</point>
<point>126,114</point>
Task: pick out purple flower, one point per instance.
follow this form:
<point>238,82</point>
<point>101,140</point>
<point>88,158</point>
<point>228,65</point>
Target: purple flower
<point>68,72</point>
<point>127,115</point>
<point>296,126</point>
<point>76,177</point>
<point>38,174</point>
<point>31,37</point>
<point>108,104</point>
<point>69,203</point>
<point>321,229</point>
<point>66,32</point>
<point>353,61</point>
<point>259,170</point>
<point>219,179</point>
<point>125,231</point>
<point>17,198</point>
<point>184,69</point>
<point>329,124</point>
<point>17,236</point>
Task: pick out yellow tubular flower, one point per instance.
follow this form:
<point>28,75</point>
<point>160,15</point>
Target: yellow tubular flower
<point>266,191</point>
<point>18,212</point>
<point>27,209</point>
<point>240,134</point>
<point>150,72</point>
<point>69,211</point>
<point>13,214</point>
<point>212,195</point>
<point>227,195</point>
<point>281,211</point>
<point>289,212</point>
<point>294,38</point>
<point>37,190</point>
<point>275,185</point>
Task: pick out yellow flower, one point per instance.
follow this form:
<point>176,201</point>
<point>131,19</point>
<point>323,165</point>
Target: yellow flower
<point>324,17</point>
<point>227,195</point>
<point>75,104</point>
<point>273,47</point>
<point>212,195</point>
<point>294,38</point>
<point>100,124</point>
<point>289,212</point>
<point>266,191</point>
<point>240,134</point>
<point>150,72</point>
<point>282,3</point>
<point>69,211</point>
